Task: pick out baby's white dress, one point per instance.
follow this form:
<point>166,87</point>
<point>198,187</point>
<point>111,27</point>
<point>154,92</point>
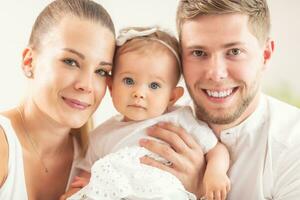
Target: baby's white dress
<point>116,172</point>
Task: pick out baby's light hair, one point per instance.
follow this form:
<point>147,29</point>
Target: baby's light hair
<point>140,38</point>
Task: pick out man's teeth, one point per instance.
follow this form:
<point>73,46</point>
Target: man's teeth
<point>219,94</point>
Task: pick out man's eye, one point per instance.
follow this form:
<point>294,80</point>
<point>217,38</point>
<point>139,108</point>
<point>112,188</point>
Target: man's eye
<point>128,81</point>
<point>70,62</point>
<point>234,52</point>
<point>102,72</point>
<point>154,85</point>
<point>198,53</point>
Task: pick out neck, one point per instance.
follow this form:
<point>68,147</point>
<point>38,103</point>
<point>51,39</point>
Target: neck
<point>49,136</point>
<point>218,128</point>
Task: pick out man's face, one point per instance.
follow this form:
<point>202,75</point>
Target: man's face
<point>222,66</point>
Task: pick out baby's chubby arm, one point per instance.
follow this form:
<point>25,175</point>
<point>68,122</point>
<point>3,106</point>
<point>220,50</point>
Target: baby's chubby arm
<point>215,181</point>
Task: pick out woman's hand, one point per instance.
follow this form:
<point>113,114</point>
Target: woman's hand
<point>185,155</point>
<point>69,193</point>
<point>78,183</point>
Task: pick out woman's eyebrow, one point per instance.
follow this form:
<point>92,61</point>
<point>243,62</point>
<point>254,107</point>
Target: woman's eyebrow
<point>74,52</point>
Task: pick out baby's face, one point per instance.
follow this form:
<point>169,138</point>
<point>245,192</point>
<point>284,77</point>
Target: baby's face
<point>143,83</point>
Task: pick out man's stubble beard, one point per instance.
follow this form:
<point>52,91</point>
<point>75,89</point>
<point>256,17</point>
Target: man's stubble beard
<point>233,113</point>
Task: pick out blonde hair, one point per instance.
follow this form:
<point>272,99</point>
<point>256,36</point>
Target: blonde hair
<point>141,43</point>
<point>256,10</point>
<point>82,135</point>
<point>55,11</point>
<point>50,17</point>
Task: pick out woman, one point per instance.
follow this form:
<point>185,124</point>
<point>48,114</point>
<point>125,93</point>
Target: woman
<point>66,63</point>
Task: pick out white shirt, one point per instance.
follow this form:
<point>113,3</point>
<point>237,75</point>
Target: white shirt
<point>265,153</point>
<point>14,187</point>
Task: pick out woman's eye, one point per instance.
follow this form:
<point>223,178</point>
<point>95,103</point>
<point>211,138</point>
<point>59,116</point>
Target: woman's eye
<point>198,53</point>
<point>154,85</point>
<point>70,62</point>
<point>128,81</point>
<point>102,72</point>
<point>234,52</point>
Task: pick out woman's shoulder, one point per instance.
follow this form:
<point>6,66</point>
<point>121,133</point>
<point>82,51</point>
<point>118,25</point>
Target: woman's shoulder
<point>3,156</point>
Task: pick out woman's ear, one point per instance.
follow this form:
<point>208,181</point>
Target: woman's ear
<point>27,60</point>
<point>176,94</point>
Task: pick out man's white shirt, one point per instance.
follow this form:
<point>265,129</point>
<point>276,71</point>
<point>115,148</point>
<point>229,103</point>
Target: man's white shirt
<point>265,153</point>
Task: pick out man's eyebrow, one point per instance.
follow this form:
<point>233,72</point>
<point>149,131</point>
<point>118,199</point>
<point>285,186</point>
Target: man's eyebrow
<point>74,52</point>
<point>196,47</point>
<point>231,44</point>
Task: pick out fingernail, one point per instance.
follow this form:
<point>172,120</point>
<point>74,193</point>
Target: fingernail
<point>143,141</point>
<point>149,129</point>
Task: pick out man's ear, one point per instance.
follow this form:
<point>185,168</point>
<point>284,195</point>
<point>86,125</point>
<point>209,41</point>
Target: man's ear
<point>268,51</point>
<point>176,94</point>
<point>27,62</point>
<point>109,83</point>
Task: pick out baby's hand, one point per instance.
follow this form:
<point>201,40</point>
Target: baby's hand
<point>216,185</point>
<point>79,182</point>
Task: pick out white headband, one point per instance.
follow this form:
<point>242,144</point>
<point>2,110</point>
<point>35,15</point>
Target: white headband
<point>126,35</point>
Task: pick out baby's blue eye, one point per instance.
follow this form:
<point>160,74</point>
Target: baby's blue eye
<point>102,72</point>
<point>128,81</point>
<point>154,85</point>
<point>70,62</point>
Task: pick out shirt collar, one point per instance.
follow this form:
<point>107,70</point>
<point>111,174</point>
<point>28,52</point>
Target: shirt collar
<point>250,124</point>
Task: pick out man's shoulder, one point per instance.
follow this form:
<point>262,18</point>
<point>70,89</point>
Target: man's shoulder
<point>279,106</point>
<point>284,122</point>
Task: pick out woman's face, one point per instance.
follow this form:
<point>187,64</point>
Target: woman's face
<point>70,68</point>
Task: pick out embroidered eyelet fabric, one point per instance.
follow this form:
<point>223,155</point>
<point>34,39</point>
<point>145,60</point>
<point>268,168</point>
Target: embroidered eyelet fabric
<point>121,176</point>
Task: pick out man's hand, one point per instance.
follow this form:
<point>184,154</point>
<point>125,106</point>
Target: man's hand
<point>185,155</point>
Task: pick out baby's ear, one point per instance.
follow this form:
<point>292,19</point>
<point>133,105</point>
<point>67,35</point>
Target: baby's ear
<point>109,83</point>
<point>176,94</point>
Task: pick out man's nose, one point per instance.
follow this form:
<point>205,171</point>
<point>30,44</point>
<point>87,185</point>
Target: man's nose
<point>217,68</point>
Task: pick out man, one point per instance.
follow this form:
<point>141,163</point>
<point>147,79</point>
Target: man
<point>225,49</point>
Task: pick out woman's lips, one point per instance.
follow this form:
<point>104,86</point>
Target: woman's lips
<point>74,103</point>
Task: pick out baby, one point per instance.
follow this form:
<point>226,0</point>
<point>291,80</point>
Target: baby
<point>144,88</point>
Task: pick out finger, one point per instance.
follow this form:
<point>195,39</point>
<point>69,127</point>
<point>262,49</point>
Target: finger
<point>217,195</point>
<point>210,196</point>
<point>79,184</point>
<point>69,193</point>
<point>151,162</point>
<point>160,149</point>
<point>169,137</point>
<point>223,194</point>
<point>187,138</point>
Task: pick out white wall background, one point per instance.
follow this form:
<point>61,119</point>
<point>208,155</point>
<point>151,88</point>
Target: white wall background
<point>17,17</point>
